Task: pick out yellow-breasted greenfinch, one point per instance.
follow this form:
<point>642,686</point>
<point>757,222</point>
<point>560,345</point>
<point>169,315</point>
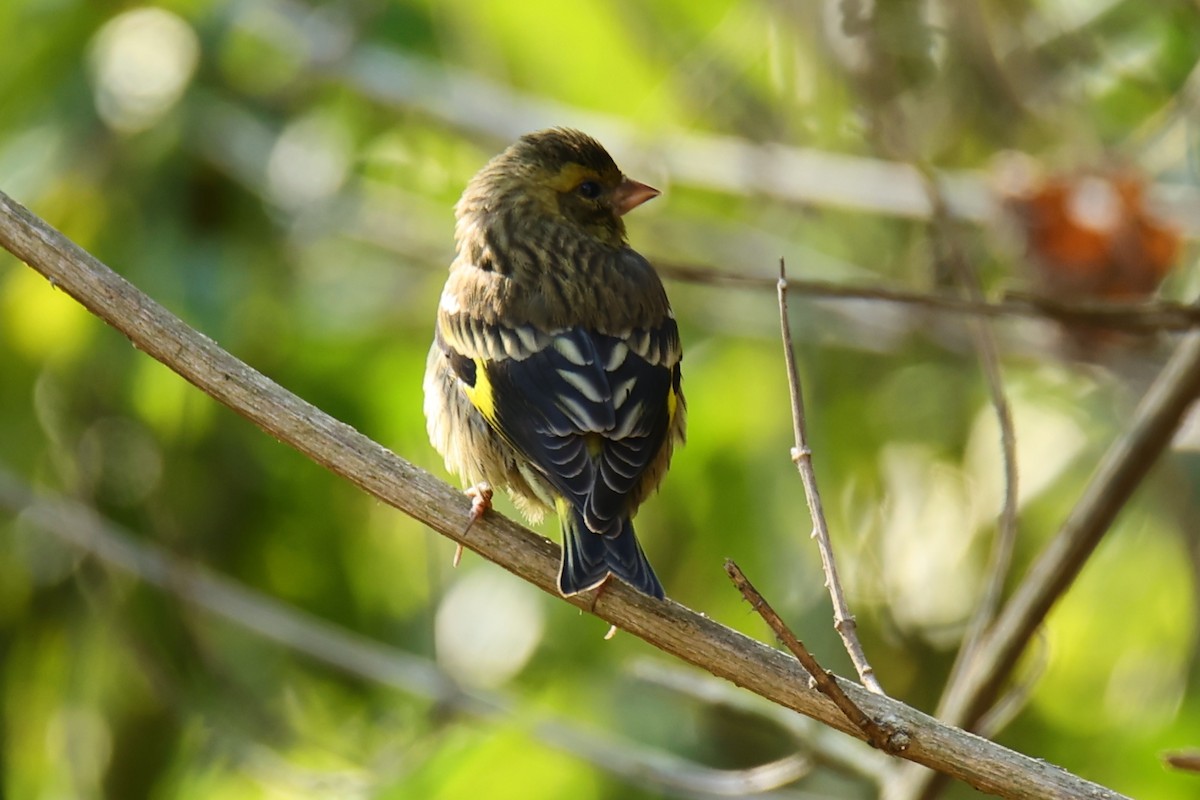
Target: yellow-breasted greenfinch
<point>554,371</point>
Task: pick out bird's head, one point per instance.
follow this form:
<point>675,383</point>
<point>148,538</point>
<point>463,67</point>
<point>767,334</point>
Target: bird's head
<point>560,176</point>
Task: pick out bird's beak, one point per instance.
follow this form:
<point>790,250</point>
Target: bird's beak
<point>630,194</point>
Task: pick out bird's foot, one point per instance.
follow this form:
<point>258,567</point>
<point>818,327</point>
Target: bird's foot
<point>481,502</point>
<point>612,630</point>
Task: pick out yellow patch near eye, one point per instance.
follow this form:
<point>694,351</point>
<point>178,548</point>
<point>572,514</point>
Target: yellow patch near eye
<point>480,394</point>
<point>571,176</point>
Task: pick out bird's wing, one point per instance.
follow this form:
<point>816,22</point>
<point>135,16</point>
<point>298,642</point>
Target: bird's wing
<point>642,368</point>
<point>590,411</point>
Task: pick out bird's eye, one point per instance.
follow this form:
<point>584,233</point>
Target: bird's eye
<point>589,189</point>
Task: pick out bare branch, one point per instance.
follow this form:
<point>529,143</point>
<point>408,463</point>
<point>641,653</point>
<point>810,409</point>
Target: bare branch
<point>1158,315</point>
<point>984,342</point>
<point>894,742</point>
<point>1119,473</point>
<point>666,625</point>
<point>843,621</point>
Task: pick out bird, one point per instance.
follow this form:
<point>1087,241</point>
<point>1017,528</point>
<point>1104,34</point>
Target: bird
<point>555,367</point>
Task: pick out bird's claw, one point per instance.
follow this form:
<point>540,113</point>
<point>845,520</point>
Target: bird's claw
<point>481,502</point>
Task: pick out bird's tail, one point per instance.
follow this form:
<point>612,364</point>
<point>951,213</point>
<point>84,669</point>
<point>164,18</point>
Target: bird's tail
<point>589,558</point>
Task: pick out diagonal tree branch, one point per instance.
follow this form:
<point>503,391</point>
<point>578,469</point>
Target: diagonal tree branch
<point>1119,473</point>
<point>666,625</point>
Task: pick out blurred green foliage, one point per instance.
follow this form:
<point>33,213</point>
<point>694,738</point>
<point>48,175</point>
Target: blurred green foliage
<point>282,176</point>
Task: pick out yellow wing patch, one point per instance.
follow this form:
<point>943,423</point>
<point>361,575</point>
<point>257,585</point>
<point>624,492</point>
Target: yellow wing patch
<point>480,394</point>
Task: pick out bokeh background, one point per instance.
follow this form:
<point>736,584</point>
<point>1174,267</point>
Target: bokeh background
<point>282,176</point>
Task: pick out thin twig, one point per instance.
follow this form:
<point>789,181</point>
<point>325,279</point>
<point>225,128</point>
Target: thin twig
<point>1158,315</point>
<point>826,683</point>
<point>400,223</point>
<point>1186,760</point>
<point>1118,474</point>
<point>843,621</point>
<point>666,625</point>
<point>919,782</point>
<point>1005,540</point>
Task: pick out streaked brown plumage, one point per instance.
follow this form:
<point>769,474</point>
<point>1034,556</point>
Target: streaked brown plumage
<point>554,371</point>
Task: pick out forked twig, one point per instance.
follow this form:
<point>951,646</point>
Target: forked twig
<point>826,683</point>
<point>843,620</point>
<point>1120,471</point>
